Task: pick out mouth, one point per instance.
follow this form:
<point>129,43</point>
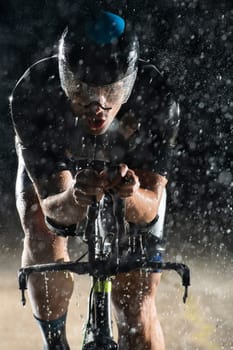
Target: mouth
<point>96,124</point>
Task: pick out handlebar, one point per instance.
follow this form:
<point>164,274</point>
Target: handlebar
<point>104,270</point>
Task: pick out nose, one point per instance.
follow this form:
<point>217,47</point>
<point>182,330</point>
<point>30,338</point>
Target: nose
<point>99,96</point>
<point>96,108</point>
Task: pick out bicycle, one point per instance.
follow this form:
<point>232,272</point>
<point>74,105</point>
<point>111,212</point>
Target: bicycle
<point>104,262</point>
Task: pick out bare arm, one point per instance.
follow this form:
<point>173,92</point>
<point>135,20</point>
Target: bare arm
<point>60,205</point>
<point>142,191</point>
<point>142,207</point>
<point>142,195</point>
<point>72,196</point>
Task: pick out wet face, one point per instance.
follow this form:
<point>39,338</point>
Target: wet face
<point>96,106</point>
<point>95,115</point>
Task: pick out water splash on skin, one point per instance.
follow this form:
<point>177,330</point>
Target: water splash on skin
<point>47,303</point>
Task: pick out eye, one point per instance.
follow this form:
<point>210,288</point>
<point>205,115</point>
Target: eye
<point>112,90</point>
<point>78,89</point>
<point>76,94</point>
<point>116,88</point>
<point>88,90</point>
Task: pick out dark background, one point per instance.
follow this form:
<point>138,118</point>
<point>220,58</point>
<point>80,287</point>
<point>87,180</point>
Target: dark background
<point>191,43</point>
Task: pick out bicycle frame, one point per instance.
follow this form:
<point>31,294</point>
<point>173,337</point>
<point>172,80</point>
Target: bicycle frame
<point>98,333</point>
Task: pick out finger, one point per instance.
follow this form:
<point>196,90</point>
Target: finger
<point>111,174</point>
<point>123,169</point>
<point>89,191</point>
<point>130,177</point>
<point>81,200</point>
<point>127,189</point>
<point>83,203</point>
<point>113,179</point>
<point>114,175</point>
<point>86,175</point>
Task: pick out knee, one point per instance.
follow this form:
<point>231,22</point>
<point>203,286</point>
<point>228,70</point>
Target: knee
<point>134,298</point>
<point>40,244</point>
<point>135,311</point>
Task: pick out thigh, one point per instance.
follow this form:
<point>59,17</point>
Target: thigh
<point>132,290</point>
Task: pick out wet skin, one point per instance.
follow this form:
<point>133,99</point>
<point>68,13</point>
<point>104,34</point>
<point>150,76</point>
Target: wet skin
<point>96,115</point>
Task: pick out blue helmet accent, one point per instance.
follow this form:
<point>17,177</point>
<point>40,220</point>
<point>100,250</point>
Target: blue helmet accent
<point>106,28</point>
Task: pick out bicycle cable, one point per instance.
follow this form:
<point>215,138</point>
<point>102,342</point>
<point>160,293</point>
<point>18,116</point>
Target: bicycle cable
<point>82,256</point>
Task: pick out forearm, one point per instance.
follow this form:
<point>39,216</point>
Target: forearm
<point>63,209</point>
<point>143,206</point>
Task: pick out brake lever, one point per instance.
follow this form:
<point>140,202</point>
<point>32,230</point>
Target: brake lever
<point>22,278</point>
<point>184,272</point>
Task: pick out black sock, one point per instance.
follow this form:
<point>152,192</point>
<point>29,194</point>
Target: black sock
<point>54,333</point>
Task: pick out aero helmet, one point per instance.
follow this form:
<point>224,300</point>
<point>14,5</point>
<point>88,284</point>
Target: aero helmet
<point>99,53</point>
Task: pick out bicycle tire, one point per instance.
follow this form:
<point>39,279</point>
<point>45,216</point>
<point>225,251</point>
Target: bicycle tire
<point>109,344</point>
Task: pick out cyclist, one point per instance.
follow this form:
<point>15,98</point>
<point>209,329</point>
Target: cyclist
<point>93,104</point>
